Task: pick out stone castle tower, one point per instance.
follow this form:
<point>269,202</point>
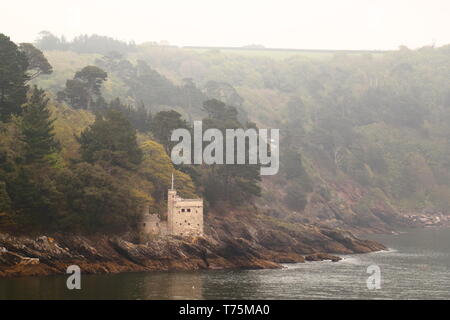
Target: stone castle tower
<point>184,216</point>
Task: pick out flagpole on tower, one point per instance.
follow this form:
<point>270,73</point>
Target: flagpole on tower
<point>172,182</point>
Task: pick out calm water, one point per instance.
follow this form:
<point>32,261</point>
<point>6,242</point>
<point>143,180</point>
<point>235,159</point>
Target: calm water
<point>417,266</point>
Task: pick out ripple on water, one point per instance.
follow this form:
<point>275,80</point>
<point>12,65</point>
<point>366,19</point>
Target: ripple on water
<point>417,266</point>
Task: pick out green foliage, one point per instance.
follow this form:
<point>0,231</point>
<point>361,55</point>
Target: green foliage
<point>237,183</point>
<point>293,170</point>
<point>96,201</point>
<point>100,180</point>
<point>140,118</point>
<point>83,91</point>
<point>75,94</point>
<point>65,64</point>
<point>111,139</point>
<point>80,196</point>
<point>37,63</point>
<point>83,43</point>
<point>157,168</point>
<point>92,77</point>
<point>13,78</point>
<point>298,182</point>
<point>37,128</point>
<point>48,41</point>
<point>374,121</point>
<point>163,123</point>
<point>34,198</point>
<point>219,112</point>
<point>69,123</point>
<point>148,86</point>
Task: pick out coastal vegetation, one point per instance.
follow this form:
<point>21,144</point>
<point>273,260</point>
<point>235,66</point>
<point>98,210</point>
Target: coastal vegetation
<point>364,136</point>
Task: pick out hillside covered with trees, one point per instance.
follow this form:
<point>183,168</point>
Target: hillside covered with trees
<point>76,161</point>
<point>364,138</point>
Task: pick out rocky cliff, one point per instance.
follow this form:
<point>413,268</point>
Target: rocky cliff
<point>232,241</point>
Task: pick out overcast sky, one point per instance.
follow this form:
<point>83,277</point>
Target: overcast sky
<point>312,24</point>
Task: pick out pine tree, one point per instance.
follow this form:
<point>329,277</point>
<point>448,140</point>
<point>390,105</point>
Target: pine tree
<point>112,139</point>
<point>37,128</point>
<point>84,91</point>
<point>13,78</point>
<point>163,123</point>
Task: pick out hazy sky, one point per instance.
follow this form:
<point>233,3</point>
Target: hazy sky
<point>313,24</point>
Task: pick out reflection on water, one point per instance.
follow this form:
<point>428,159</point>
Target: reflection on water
<point>158,285</point>
<point>417,266</point>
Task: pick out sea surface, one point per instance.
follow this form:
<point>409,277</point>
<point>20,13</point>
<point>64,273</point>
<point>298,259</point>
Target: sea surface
<point>417,266</point>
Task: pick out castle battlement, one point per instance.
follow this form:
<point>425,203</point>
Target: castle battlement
<point>184,217</point>
<point>187,200</point>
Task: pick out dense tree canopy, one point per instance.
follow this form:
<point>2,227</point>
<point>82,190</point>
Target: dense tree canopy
<point>13,78</point>
<point>37,63</point>
<point>83,43</point>
<point>111,139</point>
<point>101,188</point>
<point>84,91</point>
<point>37,128</point>
<point>373,125</point>
<point>163,123</point>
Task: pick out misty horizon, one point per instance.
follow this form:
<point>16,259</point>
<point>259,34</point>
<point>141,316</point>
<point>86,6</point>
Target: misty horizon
<point>247,46</point>
<point>322,25</point>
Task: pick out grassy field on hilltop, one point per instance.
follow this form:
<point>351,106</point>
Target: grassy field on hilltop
<point>280,54</point>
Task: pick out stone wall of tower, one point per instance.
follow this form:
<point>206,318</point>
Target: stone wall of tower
<point>187,217</point>
<point>171,199</point>
<point>184,216</point>
<point>153,226</point>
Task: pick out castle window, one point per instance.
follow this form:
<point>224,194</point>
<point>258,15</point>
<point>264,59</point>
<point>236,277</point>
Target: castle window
<point>188,210</point>
<point>182,210</point>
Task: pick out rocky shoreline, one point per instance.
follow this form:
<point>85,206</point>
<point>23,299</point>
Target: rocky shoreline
<point>231,242</point>
<point>428,219</point>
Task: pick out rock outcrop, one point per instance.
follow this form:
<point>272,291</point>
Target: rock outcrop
<point>235,240</point>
